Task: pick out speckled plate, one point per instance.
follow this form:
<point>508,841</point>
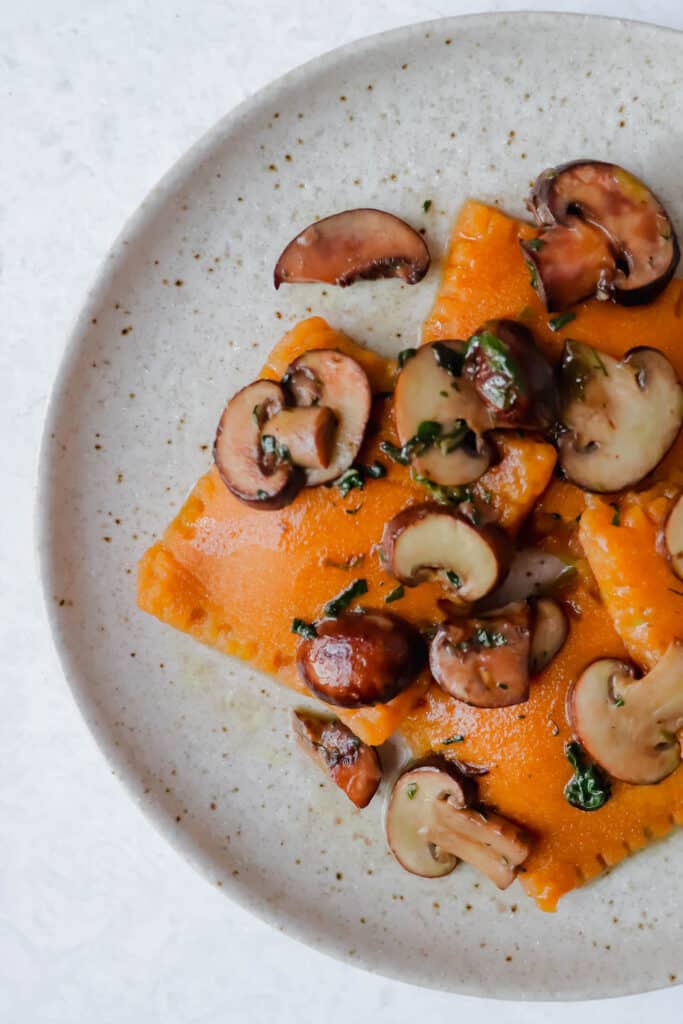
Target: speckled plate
<point>181,315</point>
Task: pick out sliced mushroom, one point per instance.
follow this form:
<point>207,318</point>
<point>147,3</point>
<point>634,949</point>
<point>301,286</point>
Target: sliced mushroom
<point>432,390</point>
<point>351,764</point>
<point>484,662</point>
<point>569,263</point>
<point>427,541</point>
<point>512,376</point>
<point>643,242</point>
<point>430,826</point>
<point>673,536</point>
<point>620,418</point>
<point>329,379</point>
<point>630,726</point>
<point>532,573</point>
<point>361,658</point>
<point>550,629</point>
<point>255,476</point>
<point>306,433</point>
<point>352,245</point>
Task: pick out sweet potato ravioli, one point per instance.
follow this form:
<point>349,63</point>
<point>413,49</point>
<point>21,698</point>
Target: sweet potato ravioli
<point>517,621</point>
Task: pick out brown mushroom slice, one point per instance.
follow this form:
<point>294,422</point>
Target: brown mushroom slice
<point>352,245</point>
<point>550,629</point>
<point>484,662</point>
<point>359,659</point>
<point>532,573</point>
<point>255,476</point>
<point>511,375</point>
<point>329,379</point>
<point>306,433</point>
<point>630,216</point>
<point>430,827</point>
<point>630,726</point>
<point>411,812</point>
<point>673,536</point>
<point>569,263</point>
<point>620,417</point>
<point>427,541</point>
<point>352,765</point>
<point>431,389</point>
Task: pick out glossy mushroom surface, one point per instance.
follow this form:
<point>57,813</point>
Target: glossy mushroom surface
<point>352,765</point>
<point>619,417</point>
<point>353,245</point>
<point>434,541</point>
<point>511,375</point>
<point>631,727</point>
<point>361,658</point>
<point>484,662</point>
<point>326,378</point>
<point>569,263</point>
<point>639,230</point>
<point>532,573</point>
<point>258,477</point>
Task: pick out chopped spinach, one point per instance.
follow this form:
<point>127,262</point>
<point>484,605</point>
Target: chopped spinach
<point>453,578</point>
<point>452,739</point>
<point>305,629</point>
<point>535,244</point>
<point>396,594</point>
<point>616,515</point>
<point>411,790</point>
<point>448,358</point>
<point>376,470</point>
<point>556,323</point>
<point>589,789</point>
<point>341,602</point>
<point>444,495</point>
<point>350,480</point>
<point>393,452</point>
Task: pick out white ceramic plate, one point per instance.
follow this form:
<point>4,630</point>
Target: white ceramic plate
<point>181,315</point>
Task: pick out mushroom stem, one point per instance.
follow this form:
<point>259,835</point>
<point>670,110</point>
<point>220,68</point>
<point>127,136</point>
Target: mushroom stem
<point>307,434</point>
<point>485,840</point>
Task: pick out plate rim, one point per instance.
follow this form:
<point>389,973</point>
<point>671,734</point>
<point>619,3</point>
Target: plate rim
<point>181,170</point>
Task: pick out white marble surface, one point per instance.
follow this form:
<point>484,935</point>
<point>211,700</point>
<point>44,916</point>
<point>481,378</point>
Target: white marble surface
<point>99,918</point>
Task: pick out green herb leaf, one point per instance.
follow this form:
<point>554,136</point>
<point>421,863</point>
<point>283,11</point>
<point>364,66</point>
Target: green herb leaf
<point>341,602</point>
<point>376,470</point>
<point>393,452</point>
<point>616,516</point>
<point>556,323</point>
<point>261,495</point>
<point>405,355</point>
<point>444,495</point>
<point>256,414</point>
<point>619,702</point>
<point>505,383</point>
<point>396,594</point>
<point>533,274</point>
<point>411,790</point>
<point>452,739</point>
<point>589,789</point>
<point>481,638</point>
<point>449,359</point>
<point>535,244</point>
<point>350,480</point>
<point>353,511</point>
<point>305,629</point>
<point>427,205</point>
<point>453,578</point>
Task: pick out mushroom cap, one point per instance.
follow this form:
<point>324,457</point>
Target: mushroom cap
<point>620,417</point>
<point>410,813</point>
<point>254,477</point>
<point>327,378</point>
<point>484,662</point>
<point>361,658</point>
<point>354,244</point>
<point>352,765</point>
<point>630,726</point>
<point>429,539</point>
<point>427,392</point>
<point>673,536</point>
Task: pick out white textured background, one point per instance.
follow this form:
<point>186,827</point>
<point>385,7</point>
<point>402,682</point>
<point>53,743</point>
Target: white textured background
<point>100,921</point>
